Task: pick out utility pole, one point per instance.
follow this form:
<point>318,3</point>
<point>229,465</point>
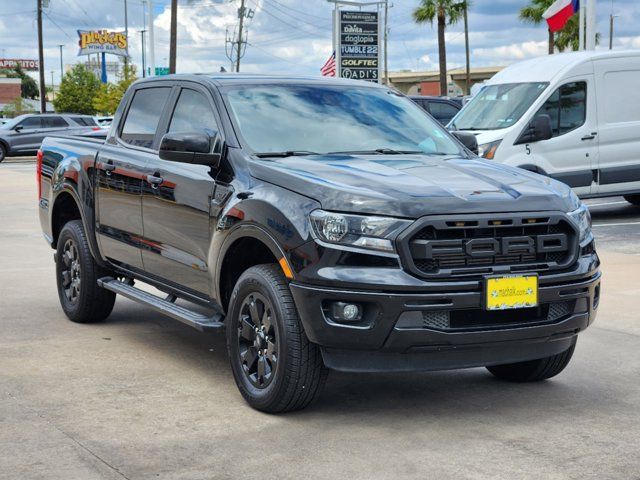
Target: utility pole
<point>152,53</point>
<point>43,102</point>
<point>52,88</point>
<point>611,17</point>
<point>386,42</point>
<point>61,65</point>
<point>144,66</point>
<point>126,32</point>
<point>466,47</point>
<point>241,15</point>
<point>172,41</point>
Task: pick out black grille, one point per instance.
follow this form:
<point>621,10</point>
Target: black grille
<point>445,247</point>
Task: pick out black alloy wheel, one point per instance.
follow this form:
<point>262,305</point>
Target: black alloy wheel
<point>257,340</point>
<point>71,271</point>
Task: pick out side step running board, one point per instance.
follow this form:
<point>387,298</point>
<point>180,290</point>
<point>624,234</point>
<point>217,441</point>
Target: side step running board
<point>193,319</point>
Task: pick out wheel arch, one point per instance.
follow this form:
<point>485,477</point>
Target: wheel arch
<point>244,247</point>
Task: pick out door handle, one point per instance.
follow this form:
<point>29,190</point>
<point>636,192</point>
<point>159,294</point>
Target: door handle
<point>109,167</point>
<point>591,136</point>
<point>154,180</point>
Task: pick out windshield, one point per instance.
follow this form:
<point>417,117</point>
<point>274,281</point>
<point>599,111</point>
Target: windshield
<point>334,119</point>
<point>498,106</point>
<point>11,123</point>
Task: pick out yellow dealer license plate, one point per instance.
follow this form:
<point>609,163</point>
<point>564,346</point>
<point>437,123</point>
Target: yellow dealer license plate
<point>511,291</point>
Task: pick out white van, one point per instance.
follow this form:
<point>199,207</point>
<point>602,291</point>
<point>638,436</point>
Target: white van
<point>572,116</point>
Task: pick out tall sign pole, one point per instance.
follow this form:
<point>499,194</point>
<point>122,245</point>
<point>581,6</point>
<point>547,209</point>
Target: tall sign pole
<point>173,40</point>
<point>386,42</point>
<point>152,53</point>
<point>43,101</point>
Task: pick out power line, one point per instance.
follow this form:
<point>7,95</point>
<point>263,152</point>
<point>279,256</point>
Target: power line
<point>290,15</point>
<point>58,26</point>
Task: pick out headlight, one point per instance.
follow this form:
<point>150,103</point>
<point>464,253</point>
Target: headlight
<point>582,219</point>
<point>371,233</point>
<point>488,150</point>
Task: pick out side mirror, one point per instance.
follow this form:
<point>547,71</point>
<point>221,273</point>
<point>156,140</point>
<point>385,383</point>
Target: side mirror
<point>200,148</point>
<point>469,140</point>
<point>538,129</point>
<point>18,128</point>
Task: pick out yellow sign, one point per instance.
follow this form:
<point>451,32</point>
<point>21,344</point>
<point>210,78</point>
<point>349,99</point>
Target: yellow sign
<point>97,41</point>
<point>508,292</point>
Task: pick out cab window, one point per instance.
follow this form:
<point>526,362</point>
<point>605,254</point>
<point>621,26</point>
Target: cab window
<point>193,113</point>
<point>142,120</point>
<point>567,108</point>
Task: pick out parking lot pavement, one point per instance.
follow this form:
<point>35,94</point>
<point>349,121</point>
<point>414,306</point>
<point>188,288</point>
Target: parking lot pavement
<point>26,159</point>
<point>142,397</point>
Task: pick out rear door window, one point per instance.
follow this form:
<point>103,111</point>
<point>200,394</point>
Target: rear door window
<point>143,117</point>
<point>55,122</point>
<point>85,121</point>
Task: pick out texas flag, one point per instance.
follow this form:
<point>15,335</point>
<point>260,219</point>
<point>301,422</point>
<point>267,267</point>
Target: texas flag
<point>560,12</point>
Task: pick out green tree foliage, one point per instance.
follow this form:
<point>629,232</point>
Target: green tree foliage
<point>109,95</point>
<point>78,90</point>
<point>446,12</point>
<point>532,13</point>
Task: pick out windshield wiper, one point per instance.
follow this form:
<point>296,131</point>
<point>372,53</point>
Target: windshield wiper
<point>287,153</point>
<point>379,151</point>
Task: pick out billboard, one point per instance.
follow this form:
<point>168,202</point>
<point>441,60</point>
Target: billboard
<point>359,45</point>
<point>25,64</point>
<point>99,41</point>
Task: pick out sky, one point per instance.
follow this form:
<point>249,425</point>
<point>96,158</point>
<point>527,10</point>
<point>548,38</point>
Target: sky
<point>288,36</point>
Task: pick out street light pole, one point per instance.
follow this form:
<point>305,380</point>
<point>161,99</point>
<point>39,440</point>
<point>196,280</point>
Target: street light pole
<point>61,65</point>
<point>43,102</point>
<point>466,47</point>
<point>152,53</point>
<point>173,40</point>
<point>126,32</point>
<point>144,66</point>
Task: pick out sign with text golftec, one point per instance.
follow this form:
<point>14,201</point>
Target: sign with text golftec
<point>359,45</point>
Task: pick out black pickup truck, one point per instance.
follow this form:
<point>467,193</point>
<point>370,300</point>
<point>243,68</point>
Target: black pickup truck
<point>325,224</point>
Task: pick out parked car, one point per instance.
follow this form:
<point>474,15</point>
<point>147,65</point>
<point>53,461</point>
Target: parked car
<point>442,109</point>
<point>574,117</point>
<point>325,224</point>
<point>24,134</point>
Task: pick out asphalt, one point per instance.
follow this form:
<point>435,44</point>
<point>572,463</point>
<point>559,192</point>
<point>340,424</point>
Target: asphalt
<point>141,396</point>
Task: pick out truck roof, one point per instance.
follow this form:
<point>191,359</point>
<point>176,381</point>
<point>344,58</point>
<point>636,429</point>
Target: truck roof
<point>548,67</point>
<point>222,79</point>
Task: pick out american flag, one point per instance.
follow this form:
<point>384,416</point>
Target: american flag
<point>329,67</point>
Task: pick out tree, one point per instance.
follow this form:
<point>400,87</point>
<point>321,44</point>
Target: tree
<point>109,94</point>
<point>533,14</point>
<point>446,12</point>
<point>77,91</point>
<point>569,37</point>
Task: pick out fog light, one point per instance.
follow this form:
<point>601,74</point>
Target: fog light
<point>346,312</point>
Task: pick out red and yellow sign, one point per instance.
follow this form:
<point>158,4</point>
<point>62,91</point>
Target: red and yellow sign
<point>98,41</point>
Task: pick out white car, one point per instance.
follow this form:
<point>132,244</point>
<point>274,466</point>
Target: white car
<point>574,117</point>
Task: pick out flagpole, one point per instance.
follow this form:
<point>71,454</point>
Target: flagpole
<point>590,33</point>
<point>581,28</point>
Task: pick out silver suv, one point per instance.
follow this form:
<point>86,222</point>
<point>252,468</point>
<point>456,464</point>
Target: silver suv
<point>23,135</point>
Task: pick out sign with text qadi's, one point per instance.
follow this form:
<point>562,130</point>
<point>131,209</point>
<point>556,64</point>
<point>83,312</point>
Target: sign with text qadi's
<point>359,45</point>
<point>98,41</point>
<point>25,64</point>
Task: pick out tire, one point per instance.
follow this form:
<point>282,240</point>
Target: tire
<point>633,199</point>
<point>275,367</point>
<point>77,274</point>
<point>3,152</point>
<point>534,370</point>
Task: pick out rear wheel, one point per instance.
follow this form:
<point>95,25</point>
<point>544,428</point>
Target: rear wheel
<point>534,370</point>
<point>3,152</point>
<point>274,365</point>
<point>77,275</point>
<point>633,199</point>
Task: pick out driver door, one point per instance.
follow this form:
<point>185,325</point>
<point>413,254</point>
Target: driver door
<point>176,211</point>
<point>28,136</point>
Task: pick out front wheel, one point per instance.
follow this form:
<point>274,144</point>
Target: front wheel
<point>534,370</point>
<point>77,275</point>
<point>3,152</point>
<point>633,199</point>
<point>274,365</point>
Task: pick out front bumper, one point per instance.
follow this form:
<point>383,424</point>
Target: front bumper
<point>394,335</point>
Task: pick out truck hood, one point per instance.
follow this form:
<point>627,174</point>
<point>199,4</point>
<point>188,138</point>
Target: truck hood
<point>413,185</point>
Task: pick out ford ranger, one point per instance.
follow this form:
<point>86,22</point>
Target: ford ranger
<point>324,224</point>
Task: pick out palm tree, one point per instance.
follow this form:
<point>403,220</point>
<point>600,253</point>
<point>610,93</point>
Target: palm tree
<point>568,37</point>
<point>533,14</point>
<point>445,11</point>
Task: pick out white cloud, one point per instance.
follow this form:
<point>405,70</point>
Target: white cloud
<point>513,52</point>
